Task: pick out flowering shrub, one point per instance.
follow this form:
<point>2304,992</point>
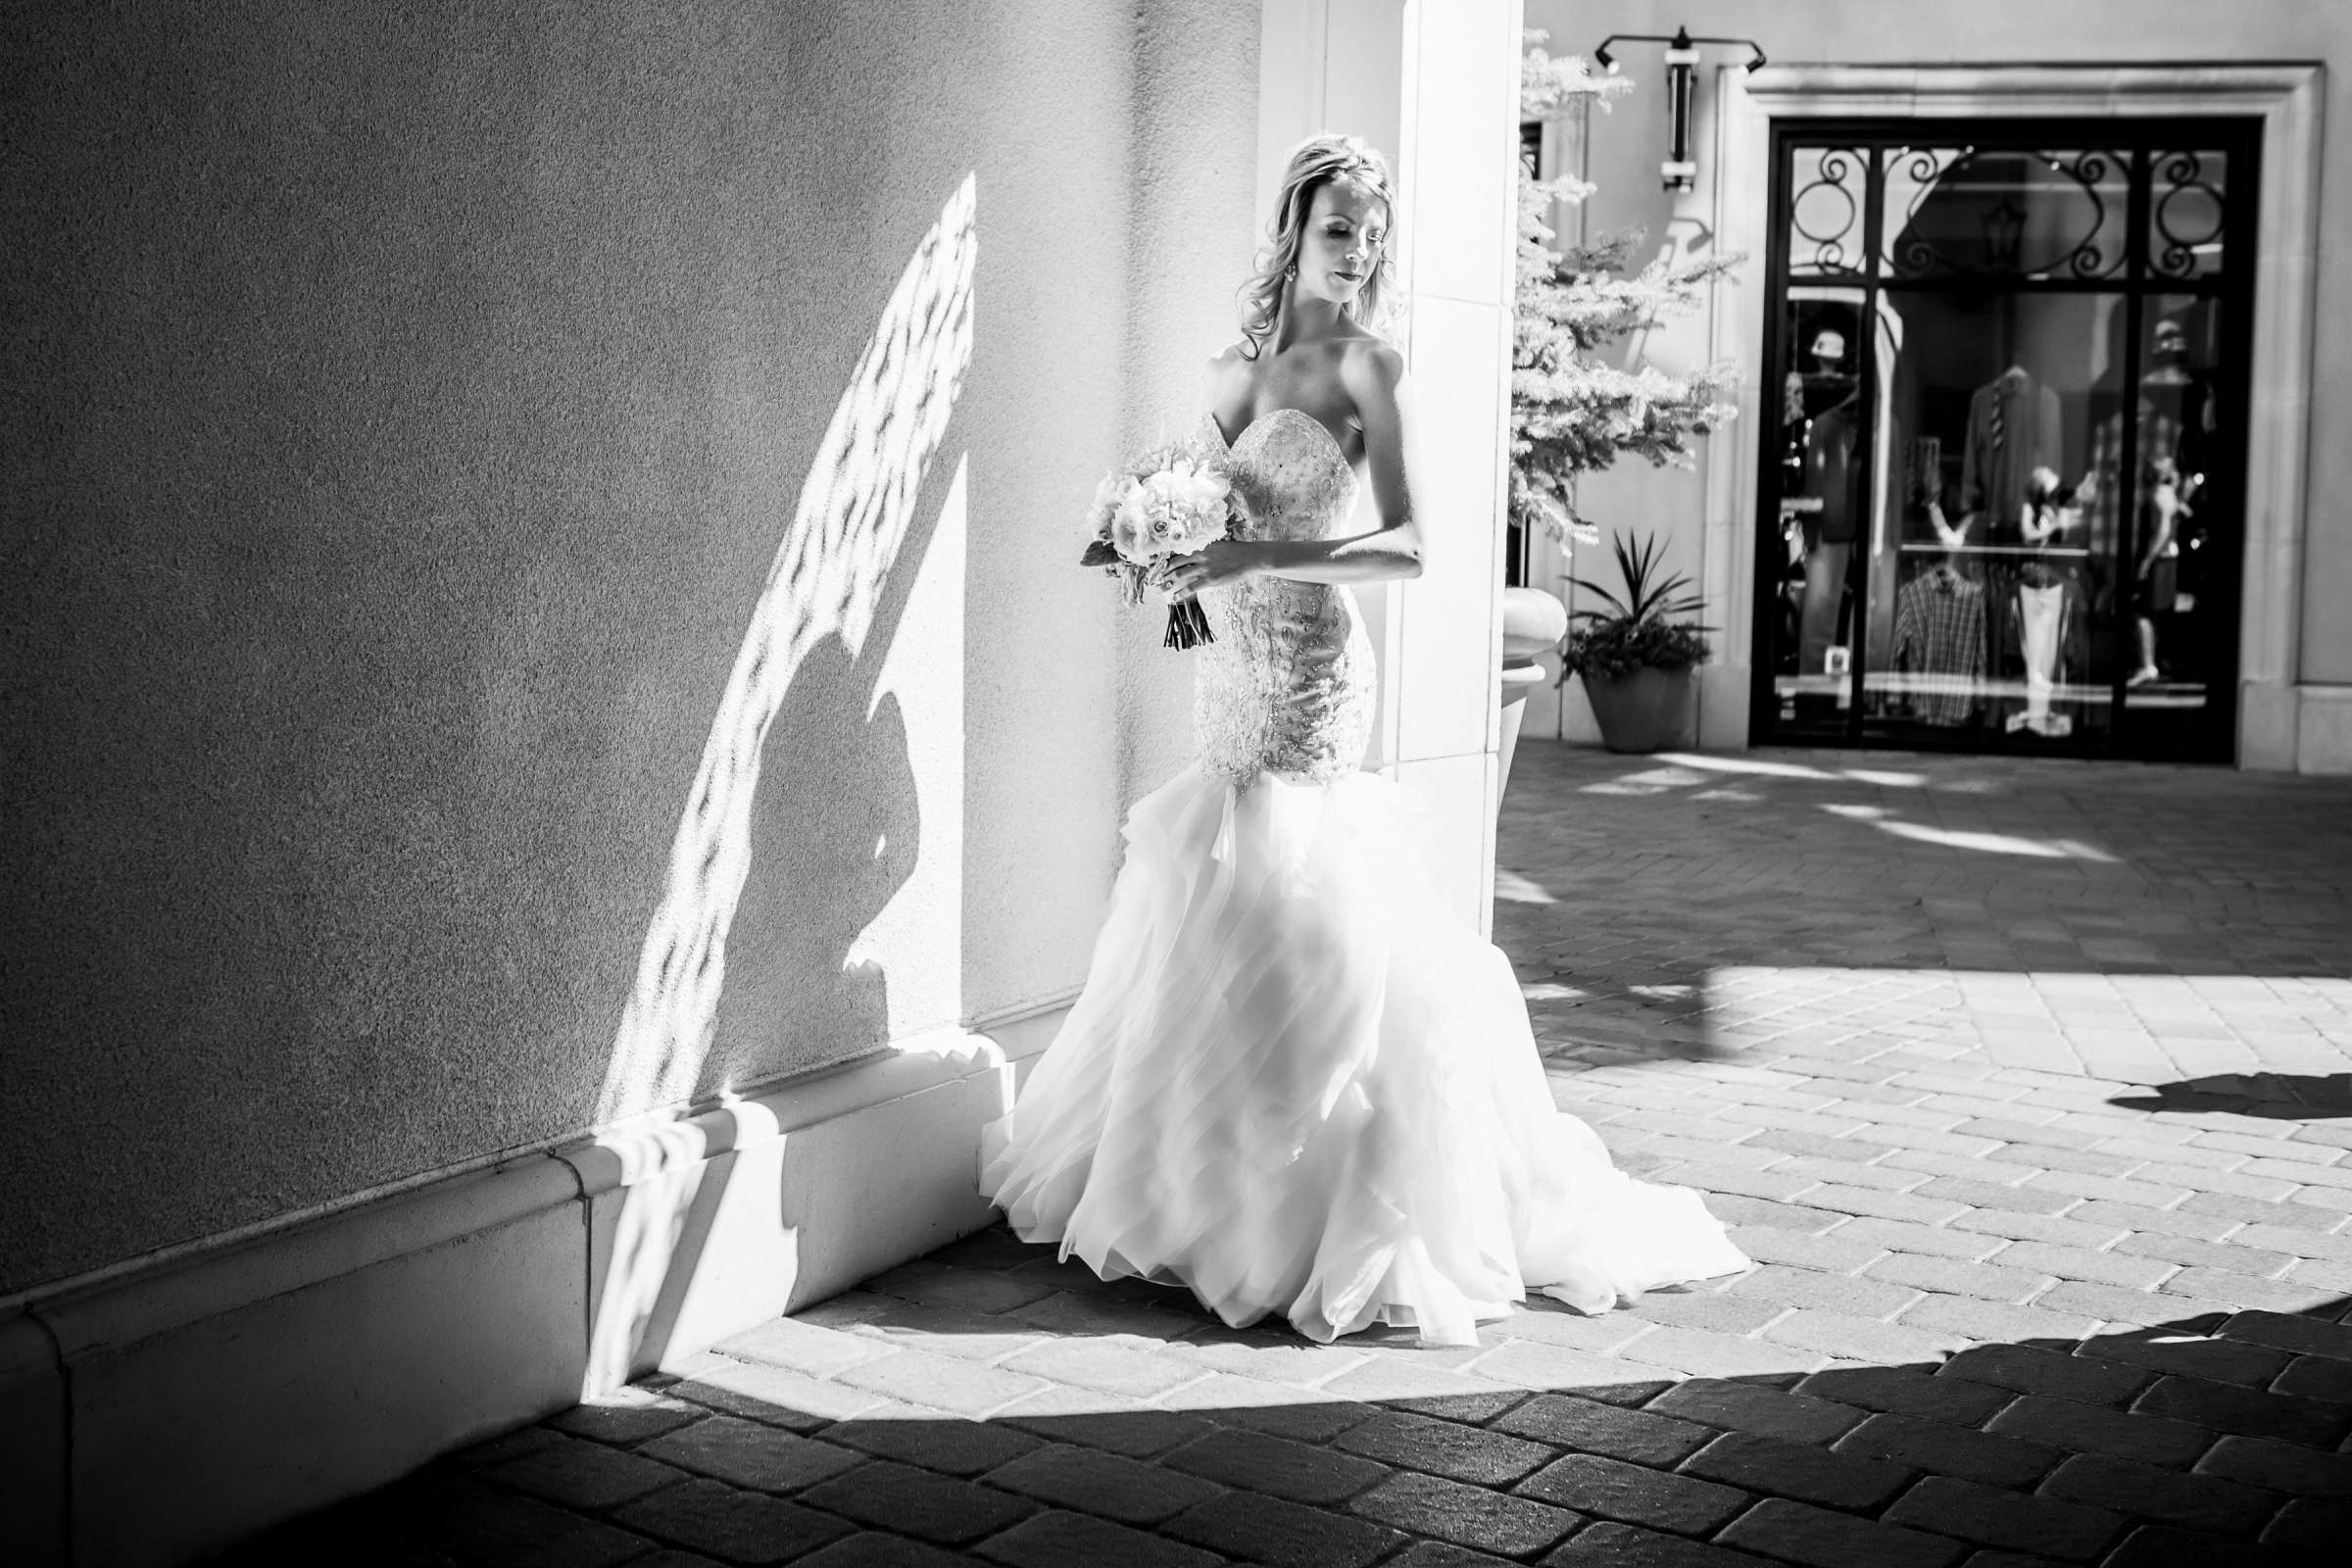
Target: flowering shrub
<point>1574,412</point>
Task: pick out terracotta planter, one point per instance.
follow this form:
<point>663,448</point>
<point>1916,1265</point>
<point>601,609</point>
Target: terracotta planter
<point>1644,711</point>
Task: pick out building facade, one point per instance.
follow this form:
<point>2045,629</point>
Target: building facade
<point>561,763</point>
<point>2031,453</point>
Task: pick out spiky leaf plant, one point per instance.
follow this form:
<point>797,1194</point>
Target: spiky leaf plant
<point>1638,629</point>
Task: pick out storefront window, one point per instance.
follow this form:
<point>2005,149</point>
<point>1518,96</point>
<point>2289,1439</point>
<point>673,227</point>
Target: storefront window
<point>2001,499</point>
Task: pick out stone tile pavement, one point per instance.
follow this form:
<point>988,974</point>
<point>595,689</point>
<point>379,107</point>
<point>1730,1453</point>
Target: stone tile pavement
<point>2028,1086</point>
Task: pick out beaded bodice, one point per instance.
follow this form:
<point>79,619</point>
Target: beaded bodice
<point>1289,686</point>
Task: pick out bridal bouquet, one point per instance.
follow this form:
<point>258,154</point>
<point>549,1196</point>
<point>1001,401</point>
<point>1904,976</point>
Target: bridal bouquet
<point>1166,502</point>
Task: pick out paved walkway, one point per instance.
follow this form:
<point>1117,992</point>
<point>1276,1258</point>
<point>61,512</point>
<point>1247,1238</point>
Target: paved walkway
<point>2028,1086</point>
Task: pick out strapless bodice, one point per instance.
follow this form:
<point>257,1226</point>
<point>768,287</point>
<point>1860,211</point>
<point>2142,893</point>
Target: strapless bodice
<point>1289,686</point>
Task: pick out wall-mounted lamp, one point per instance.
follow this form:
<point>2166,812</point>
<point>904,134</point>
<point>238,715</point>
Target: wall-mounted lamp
<point>1680,169</point>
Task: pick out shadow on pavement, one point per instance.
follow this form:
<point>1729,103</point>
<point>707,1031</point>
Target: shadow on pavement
<point>2297,1097</point>
<point>2210,1441</point>
<point>2137,924</point>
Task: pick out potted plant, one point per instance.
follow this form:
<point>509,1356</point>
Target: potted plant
<point>1576,409</point>
<point>1634,653</point>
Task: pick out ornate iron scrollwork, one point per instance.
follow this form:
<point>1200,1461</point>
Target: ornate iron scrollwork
<point>1826,212</point>
<point>1993,213</point>
<point>2179,189</point>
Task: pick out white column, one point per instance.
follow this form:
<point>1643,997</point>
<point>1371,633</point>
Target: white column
<point>1435,84</point>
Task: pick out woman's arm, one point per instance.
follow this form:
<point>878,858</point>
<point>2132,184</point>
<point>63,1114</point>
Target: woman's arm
<point>1375,379</point>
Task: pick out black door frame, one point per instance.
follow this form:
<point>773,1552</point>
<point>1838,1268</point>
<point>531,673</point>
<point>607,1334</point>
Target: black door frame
<point>2142,140</point>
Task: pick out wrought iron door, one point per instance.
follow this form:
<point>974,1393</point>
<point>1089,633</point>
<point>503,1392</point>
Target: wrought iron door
<point>2000,505</point>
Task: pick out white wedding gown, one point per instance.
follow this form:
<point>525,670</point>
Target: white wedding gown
<point>1295,1082</point>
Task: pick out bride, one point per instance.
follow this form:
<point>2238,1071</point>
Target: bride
<point>1295,1082</point>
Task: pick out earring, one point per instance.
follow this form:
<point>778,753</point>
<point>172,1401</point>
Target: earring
<point>1290,271</point>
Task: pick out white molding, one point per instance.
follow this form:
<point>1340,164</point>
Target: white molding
<point>2284,97</point>
<point>2323,729</point>
<point>1434,82</point>
<point>1819,91</point>
<point>34,1423</point>
<point>1735,335</point>
<point>191,1290</point>
<point>170,1408</point>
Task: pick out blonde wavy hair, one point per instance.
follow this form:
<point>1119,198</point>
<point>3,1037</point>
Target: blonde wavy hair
<point>1314,164</point>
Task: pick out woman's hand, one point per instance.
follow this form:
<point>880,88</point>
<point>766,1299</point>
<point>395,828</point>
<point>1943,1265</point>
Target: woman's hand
<point>1223,562</point>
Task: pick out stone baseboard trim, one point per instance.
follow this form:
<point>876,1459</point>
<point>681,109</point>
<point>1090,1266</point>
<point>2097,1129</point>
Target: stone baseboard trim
<point>149,1414</point>
<point>2323,729</point>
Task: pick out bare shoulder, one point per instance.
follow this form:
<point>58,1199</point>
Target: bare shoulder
<point>1229,371</point>
<point>1370,367</point>
<point>1231,361</point>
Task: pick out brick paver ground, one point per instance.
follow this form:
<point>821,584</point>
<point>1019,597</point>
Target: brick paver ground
<point>2027,1087</point>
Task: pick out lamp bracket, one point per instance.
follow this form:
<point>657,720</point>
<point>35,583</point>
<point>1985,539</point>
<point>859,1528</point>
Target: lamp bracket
<point>1681,40</point>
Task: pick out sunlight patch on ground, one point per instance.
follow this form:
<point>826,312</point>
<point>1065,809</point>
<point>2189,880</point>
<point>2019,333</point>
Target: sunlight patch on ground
<point>1885,821</point>
<point>1649,781</point>
<point>2153,1027</point>
<point>1756,766</point>
<point>1509,884</point>
<point>1681,766</point>
<point>2128,1028</point>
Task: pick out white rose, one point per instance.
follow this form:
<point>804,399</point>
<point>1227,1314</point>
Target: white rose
<point>1131,525</point>
<point>1106,502</point>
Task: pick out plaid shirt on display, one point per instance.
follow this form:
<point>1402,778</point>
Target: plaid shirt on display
<point>1939,633</point>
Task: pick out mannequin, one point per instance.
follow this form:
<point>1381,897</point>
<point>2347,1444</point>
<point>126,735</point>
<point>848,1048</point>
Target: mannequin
<point>1833,404</point>
<point>1829,541</point>
<point>2013,430</point>
<point>2174,476</point>
<point>2175,417</point>
<point>2009,484</point>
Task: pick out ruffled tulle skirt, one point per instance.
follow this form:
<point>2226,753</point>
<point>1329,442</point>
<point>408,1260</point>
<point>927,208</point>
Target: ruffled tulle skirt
<point>1297,1084</point>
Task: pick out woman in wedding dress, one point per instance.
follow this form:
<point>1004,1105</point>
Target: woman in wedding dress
<point>1295,1082</point>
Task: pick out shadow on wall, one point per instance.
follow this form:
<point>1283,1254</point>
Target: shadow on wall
<point>2183,1440</point>
<point>828,582</point>
<point>835,831</point>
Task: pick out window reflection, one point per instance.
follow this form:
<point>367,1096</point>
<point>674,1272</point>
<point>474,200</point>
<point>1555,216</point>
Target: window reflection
<point>2002,501</point>
<point>2006,212</point>
<point>1986,615</point>
<point>2180,507</point>
<point>1823,429</point>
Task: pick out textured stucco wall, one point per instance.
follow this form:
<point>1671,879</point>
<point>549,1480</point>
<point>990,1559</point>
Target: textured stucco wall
<point>404,406</point>
<point>1627,143</point>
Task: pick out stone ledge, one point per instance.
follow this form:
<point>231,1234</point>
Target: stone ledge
<point>153,1411</point>
<point>2323,729</point>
